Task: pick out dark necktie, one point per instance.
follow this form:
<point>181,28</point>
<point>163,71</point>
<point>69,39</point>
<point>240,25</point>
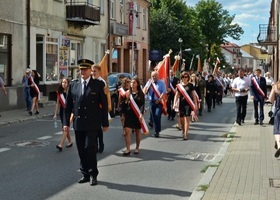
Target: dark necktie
<point>85,88</point>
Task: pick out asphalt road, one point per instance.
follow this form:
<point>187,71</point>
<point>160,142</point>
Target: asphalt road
<point>166,168</point>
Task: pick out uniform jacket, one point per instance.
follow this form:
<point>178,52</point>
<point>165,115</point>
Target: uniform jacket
<point>253,90</point>
<point>91,109</point>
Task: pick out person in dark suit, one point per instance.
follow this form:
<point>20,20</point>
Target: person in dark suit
<point>258,95</point>
<point>87,100</point>
<point>173,80</point>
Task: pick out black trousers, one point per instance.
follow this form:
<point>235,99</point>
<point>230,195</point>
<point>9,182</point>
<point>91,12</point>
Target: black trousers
<point>86,144</point>
<point>241,107</point>
<point>170,110</point>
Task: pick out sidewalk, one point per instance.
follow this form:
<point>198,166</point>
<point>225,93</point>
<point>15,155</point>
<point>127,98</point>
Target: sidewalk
<point>17,116</point>
<point>248,170</point>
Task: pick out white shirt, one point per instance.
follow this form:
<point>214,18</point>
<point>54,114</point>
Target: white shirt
<point>241,83</point>
<point>82,81</point>
<point>269,81</point>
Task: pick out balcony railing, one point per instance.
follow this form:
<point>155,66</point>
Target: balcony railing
<point>82,13</point>
<point>267,34</point>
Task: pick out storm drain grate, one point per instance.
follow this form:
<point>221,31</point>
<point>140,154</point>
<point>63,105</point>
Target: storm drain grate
<point>29,143</point>
<point>200,156</point>
<point>274,182</point>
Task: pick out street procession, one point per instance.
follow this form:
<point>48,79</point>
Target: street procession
<point>139,99</point>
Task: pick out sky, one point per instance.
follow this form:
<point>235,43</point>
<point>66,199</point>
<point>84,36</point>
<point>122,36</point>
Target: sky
<point>248,14</point>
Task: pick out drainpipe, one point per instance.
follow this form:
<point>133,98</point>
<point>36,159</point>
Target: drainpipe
<point>109,37</point>
<point>28,32</point>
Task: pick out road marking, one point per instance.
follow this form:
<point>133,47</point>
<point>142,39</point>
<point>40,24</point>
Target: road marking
<point>4,149</point>
<point>23,144</point>
<point>58,133</point>
<point>44,137</point>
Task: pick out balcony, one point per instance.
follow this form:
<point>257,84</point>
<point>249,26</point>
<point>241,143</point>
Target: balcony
<point>82,14</point>
<point>267,34</point>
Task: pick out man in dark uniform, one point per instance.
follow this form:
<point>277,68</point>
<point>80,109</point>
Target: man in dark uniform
<point>87,100</point>
<point>170,94</point>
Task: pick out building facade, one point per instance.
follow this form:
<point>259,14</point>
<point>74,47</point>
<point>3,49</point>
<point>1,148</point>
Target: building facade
<point>51,36</point>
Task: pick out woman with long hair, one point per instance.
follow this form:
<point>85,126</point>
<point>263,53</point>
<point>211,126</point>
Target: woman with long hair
<point>186,106</point>
<point>131,120</point>
<point>60,105</point>
<point>125,85</point>
<point>33,82</point>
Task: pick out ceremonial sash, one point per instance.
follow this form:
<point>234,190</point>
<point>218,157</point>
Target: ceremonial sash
<point>61,99</point>
<point>121,92</point>
<point>220,82</point>
<point>256,85</point>
<point>157,93</point>
<point>35,87</point>
<point>186,96</point>
<point>172,88</point>
<point>137,112</point>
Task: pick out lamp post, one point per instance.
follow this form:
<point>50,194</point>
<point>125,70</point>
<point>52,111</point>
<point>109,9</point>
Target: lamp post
<point>180,40</point>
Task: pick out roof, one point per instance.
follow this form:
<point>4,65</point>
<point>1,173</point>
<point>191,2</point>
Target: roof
<point>245,54</point>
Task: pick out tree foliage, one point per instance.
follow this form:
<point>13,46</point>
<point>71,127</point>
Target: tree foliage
<point>205,24</point>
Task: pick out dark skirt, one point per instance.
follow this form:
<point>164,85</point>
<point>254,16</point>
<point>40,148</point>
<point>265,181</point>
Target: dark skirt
<point>131,120</point>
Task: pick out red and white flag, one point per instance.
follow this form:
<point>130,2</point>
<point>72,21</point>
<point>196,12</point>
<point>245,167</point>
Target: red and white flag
<point>218,61</point>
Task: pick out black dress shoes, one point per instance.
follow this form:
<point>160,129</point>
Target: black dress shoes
<point>59,148</point>
<point>92,181</point>
<point>84,179</point>
<point>238,122</point>
<point>126,153</point>
<point>261,122</point>
<point>256,122</point>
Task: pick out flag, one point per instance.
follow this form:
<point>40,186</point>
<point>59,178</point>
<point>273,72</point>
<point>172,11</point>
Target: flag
<point>216,64</point>
<point>163,74</point>
<point>218,61</point>
<point>104,74</point>
<point>198,64</point>
<point>175,66</point>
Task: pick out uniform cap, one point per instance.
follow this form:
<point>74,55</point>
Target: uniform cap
<point>85,63</point>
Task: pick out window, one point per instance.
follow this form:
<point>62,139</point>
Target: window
<point>112,9</point>
<point>137,15</point>
<point>51,59</point>
<point>122,13</point>
<point>47,58</point>
<point>5,53</point>
<point>90,2</point>
<point>144,25</point>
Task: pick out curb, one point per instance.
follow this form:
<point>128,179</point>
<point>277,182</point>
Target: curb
<point>18,121</point>
<point>210,172</point>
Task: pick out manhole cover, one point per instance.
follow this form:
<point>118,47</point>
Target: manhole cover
<point>29,143</point>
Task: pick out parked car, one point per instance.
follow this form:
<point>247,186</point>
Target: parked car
<point>114,83</point>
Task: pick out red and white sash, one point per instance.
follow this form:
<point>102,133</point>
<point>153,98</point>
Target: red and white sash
<point>61,99</point>
<point>35,87</point>
<point>217,78</point>
<point>121,92</point>
<point>172,88</point>
<point>137,112</point>
<point>157,93</point>
<point>256,85</point>
<point>186,96</point>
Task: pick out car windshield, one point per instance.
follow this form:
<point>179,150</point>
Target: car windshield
<point>112,81</point>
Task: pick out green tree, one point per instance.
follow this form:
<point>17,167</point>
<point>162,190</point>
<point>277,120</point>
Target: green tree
<point>216,24</point>
<point>169,21</point>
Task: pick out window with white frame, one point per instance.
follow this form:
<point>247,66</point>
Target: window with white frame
<point>144,25</point>
<point>113,9</point>
<point>122,13</point>
<point>137,16</point>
